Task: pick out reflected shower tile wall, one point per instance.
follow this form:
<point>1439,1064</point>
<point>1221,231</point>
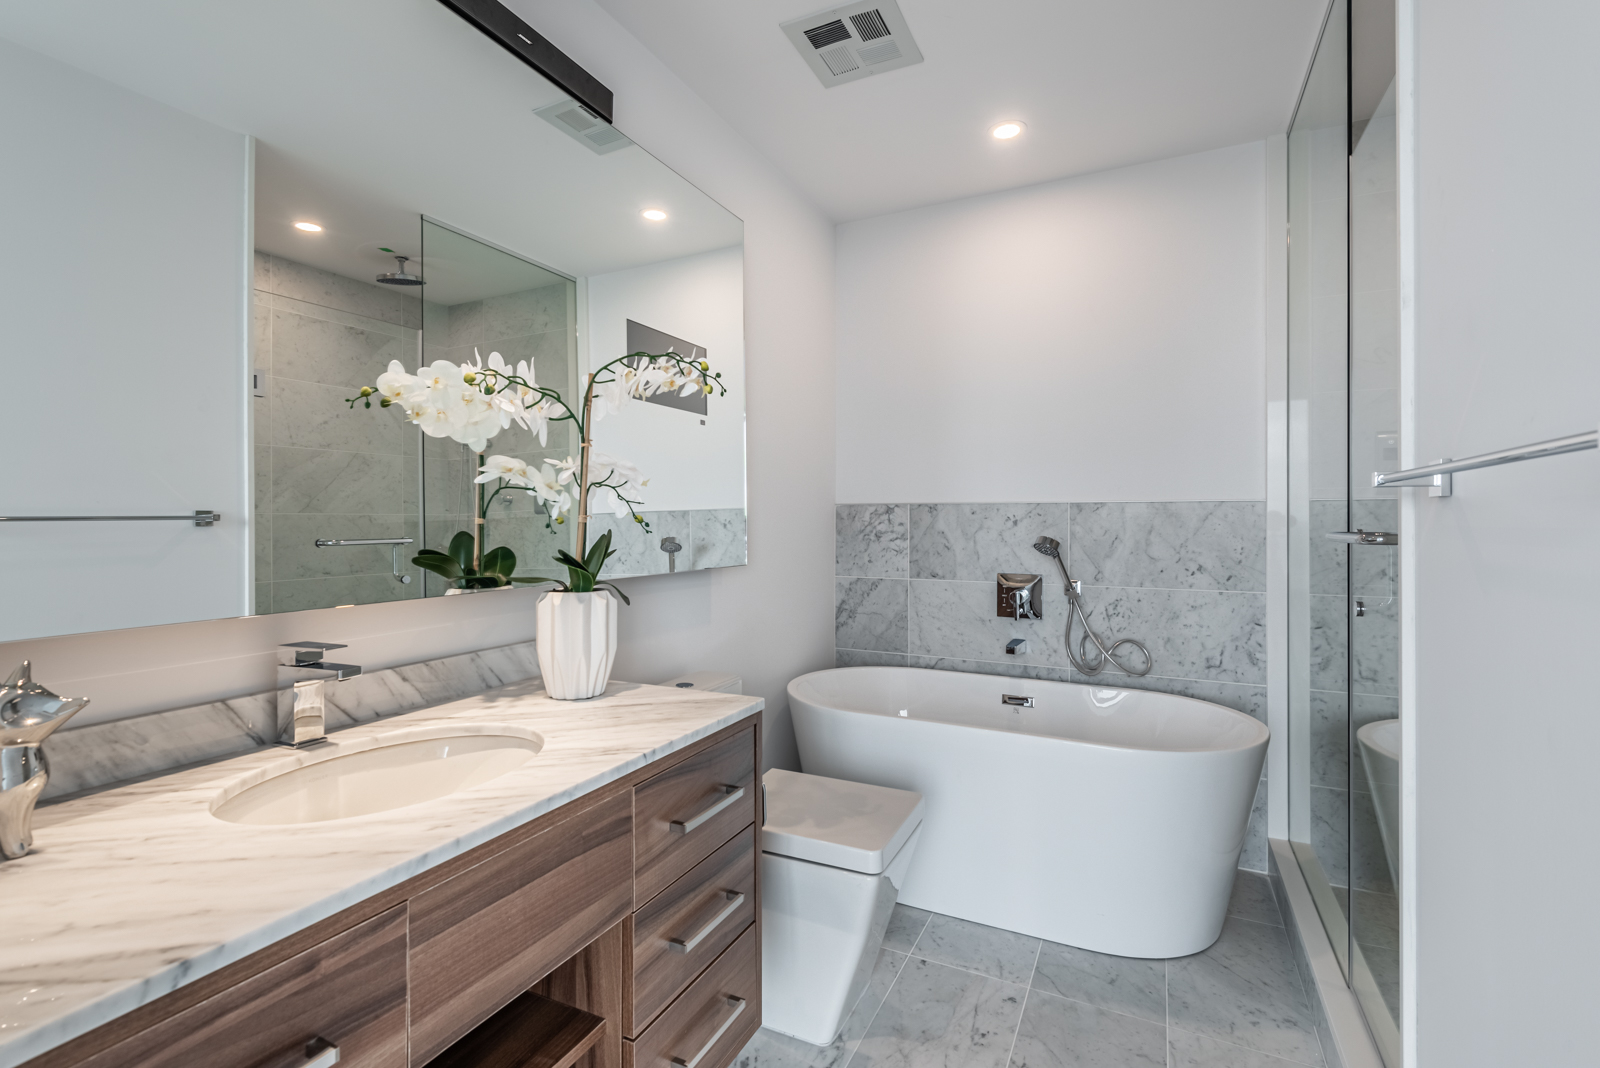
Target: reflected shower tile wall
<point>324,470</point>
<point>721,537</point>
<point>1186,578</point>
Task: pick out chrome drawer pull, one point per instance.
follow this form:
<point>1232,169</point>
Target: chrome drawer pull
<point>738,1005</point>
<point>318,1053</point>
<point>685,826</point>
<point>680,945</point>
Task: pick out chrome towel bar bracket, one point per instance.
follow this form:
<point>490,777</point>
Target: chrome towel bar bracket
<point>1437,475</point>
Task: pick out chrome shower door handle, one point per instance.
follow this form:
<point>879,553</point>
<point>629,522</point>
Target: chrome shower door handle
<point>1364,537</point>
<point>685,826</point>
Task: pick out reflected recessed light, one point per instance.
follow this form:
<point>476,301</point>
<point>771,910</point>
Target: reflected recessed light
<point>1005,131</point>
<point>310,228</point>
<point>653,214</point>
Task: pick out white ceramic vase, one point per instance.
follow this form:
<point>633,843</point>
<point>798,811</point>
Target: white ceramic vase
<point>576,638</point>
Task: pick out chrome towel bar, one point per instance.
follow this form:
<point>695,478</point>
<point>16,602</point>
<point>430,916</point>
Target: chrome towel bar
<point>200,517</point>
<point>1438,474</point>
<point>327,543</point>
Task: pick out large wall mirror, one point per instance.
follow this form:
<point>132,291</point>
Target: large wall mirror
<point>222,221</point>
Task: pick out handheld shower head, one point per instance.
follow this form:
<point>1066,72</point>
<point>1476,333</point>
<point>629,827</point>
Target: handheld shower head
<point>1049,546</point>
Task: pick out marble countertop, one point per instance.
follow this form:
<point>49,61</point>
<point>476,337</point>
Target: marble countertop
<point>133,892</point>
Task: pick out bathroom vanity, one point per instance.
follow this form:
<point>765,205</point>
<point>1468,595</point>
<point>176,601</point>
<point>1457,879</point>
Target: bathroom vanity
<point>598,904</point>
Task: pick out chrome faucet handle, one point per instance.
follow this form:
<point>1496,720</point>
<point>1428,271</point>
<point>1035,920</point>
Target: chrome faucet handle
<point>29,713</point>
<point>309,654</point>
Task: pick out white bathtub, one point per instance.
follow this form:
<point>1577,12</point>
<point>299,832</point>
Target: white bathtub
<point>1103,818</point>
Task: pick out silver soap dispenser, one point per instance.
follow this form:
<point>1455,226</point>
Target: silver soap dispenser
<point>29,714</point>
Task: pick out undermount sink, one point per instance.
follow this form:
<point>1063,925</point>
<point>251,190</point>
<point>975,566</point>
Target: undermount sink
<point>388,776</point>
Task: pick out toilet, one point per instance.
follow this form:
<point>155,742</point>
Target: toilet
<point>834,855</point>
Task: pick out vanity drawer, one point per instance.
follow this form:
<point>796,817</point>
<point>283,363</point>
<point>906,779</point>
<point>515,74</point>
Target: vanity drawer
<point>712,1020</point>
<point>689,923</point>
<point>483,937</point>
<point>349,991</point>
<point>683,814</point>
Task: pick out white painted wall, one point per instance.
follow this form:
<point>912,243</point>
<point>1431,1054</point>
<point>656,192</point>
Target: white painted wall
<point>769,621</point>
<point>1499,223</point>
<point>700,299</point>
<point>1094,339</point>
<point>123,279</point>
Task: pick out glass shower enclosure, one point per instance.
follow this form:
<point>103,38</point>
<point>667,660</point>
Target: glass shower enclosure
<point>1344,422</point>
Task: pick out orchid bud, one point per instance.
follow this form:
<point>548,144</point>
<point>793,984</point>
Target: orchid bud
<point>704,366</point>
<point>384,403</point>
<point>708,387</point>
<point>470,377</point>
<point>488,389</point>
<point>367,391</point>
<point>638,519</point>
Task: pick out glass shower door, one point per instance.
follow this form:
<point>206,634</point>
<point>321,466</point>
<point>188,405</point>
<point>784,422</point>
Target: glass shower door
<point>1343,579</point>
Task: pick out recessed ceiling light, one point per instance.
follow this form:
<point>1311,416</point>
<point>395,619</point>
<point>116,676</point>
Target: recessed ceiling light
<point>1005,131</point>
<point>310,228</point>
<point>653,214</point>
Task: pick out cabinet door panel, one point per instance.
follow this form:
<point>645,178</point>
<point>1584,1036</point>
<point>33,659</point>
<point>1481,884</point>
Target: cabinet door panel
<point>349,991</point>
<point>687,811</point>
<point>487,935</point>
<point>711,1021</point>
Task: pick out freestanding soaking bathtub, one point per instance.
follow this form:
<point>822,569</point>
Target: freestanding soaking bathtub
<point>1102,818</point>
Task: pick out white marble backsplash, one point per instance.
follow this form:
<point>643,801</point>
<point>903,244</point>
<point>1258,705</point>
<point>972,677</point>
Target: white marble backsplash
<point>100,755</point>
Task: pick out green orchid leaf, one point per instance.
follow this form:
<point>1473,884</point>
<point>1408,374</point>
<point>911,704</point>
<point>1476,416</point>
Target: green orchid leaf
<point>614,589</point>
<point>598,552</point>
<point>500,561</point>
<point>530,580</point>
<point>579,580</point>
<point>570,561</point>
<point>461,551</point>
<point>437,562</point>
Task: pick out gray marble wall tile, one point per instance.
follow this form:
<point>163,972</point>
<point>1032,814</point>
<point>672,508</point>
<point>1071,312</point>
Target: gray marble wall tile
<point>935,1014</point>
<point>279,302</point>
<point>872,541</point>
<point>1330,732</point>
<point>315,350</point>
<point>1214,545</point>
<point>1336,824</point>
<point>1010,668</point>
<point>531,311</point>
<point>303,282</point>
<point>301,595</point>
<point>90,757</point>
<point>638,552</point>
<point>721,537</point>
<point>871,614</point>
<point>545,353</point>
<point>973,542</point>
<point>1058,1033</point>
<point>1192,634</point>
<point>261,332</point>
<point>1128,985</point>
<point>324,481</point>
<point>295,554</point>
<point>1253,855</point>
<point>1375,666</point>
<point>315,416</point>
<point>868,658</point>
<point>1376,567</point>
<point>957,619</point>
<point>1245,990</point>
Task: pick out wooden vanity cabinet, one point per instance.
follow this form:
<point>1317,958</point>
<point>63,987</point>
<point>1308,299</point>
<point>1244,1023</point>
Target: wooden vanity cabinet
<point>622,928</point>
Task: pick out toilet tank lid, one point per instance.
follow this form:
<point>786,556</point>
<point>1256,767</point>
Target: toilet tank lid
<point>842,824</point>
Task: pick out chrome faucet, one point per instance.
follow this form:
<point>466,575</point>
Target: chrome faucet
<point>308,721</point>
<point>29,714</point>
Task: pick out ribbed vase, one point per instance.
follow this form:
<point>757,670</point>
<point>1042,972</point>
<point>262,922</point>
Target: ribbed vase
<point>576,636</point>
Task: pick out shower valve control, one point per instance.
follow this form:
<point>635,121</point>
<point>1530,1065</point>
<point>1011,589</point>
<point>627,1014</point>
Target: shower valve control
<point>1019,596</point>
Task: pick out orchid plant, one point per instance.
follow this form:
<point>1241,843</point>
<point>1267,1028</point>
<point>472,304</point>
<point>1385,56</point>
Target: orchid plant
<point>472,402</point>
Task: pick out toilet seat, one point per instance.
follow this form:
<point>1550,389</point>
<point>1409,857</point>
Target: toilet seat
<point>850,825</point>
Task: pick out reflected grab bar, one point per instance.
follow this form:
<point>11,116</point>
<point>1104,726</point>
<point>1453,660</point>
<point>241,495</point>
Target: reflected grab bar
<point>1438,474</point>
<point>200,517</point>
<point>327,543</point>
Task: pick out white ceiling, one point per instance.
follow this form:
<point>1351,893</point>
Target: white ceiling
<point>1100,83</point>
<point>371,113</point>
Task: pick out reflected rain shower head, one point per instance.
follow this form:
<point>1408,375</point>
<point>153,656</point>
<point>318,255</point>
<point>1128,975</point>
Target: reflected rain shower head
<point>399,276</point>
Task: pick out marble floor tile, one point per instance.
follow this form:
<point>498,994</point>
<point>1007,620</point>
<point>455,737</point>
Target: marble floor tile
<point>1185,1050</point>
<point>906,925</point>
<point>1245,990</point>
<point>870,540</point>
<point>769,1049</point>
<point>936,1016</point>
<point>986,950</point>
<point>871,614</point>
<point>1129,985</point>
<point>1188,545</point>
<point>1059,1033</point>
<point>1252,899</point>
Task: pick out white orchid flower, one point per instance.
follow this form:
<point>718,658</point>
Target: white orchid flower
<point>395,384</point>
<point>605,499</point>
<point>545,483</point>
<point>515,471</point>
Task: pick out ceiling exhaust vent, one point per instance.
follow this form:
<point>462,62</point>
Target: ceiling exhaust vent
<point>581,124</point>
<point>846,43</point>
